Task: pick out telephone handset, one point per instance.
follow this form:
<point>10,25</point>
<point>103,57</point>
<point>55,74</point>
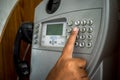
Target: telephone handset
<point>24,33</point>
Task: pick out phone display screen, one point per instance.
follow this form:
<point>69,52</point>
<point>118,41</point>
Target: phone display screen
<point>54,29</point>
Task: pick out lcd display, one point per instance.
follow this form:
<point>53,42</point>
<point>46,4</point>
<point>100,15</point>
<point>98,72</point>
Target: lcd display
<point>54,29</point>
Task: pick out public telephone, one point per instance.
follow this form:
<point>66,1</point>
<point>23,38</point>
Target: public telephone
<point>54,20</point>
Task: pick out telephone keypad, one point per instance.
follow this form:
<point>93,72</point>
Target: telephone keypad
<point>85,36</point>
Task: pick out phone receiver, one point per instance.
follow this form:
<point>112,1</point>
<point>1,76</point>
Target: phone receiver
<point>24,33</point>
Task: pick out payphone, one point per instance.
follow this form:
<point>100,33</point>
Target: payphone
<point>54,20</point>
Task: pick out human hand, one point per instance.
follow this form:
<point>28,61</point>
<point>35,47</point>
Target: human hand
<point>67,67</point>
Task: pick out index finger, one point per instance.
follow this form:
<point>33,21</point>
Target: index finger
<point>68,49</point>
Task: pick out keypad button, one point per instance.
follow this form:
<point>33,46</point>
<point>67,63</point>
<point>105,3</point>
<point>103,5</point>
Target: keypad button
<point>69,30</point>
<point>55,42</point>
<point>82,37</point>
<point>76,43</point>
<point>89,45</point>
<point>81,44</point>
<point>90,29</point>
<point>83,30</point>
<point>70,23</point>
<point>50,42</point>
<point>35,36</point>
<point>89,37</point>
<point>90,22</point>
<point>36,31</point>
<point>35,41</point>
<point>77,23</point>
<point>37,26</point>
<point>83,23</point>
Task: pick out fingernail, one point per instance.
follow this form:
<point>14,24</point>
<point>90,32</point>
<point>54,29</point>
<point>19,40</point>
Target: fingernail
<point>75,29</point>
